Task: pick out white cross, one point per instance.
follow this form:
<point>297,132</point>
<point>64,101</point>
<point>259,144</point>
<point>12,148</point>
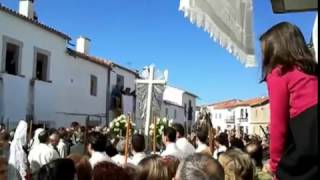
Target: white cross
<point>151,82</point>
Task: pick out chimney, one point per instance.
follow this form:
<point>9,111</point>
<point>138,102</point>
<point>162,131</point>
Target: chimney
<point>26,8</point>
<point>83,45</point>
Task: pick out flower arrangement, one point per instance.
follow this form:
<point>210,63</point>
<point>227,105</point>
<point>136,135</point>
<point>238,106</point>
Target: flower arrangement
<point>119,125</point>
<point>160,125</point>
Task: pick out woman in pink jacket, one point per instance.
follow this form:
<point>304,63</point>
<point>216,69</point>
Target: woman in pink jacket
<point>290,70</point>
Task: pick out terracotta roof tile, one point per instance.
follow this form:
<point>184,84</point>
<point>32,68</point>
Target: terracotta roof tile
<point>35,22</point>
<point>99,61</point>
<point>222,102</point>
<point>236,103</point>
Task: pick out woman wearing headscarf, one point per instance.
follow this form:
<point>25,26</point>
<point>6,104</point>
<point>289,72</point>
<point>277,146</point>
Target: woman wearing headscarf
<point>18,161</point>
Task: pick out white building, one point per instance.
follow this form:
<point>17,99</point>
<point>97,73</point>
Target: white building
<point>222,114</point>
<point>44,80</point>
<point>179,105</point>
<point>240,114</point>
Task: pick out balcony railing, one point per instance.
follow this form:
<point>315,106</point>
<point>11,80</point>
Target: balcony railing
<point>230,119</point>
<point>243,119</point>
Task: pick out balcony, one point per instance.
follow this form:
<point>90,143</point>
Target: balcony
<point>230,120</point>
<point>243,119</point>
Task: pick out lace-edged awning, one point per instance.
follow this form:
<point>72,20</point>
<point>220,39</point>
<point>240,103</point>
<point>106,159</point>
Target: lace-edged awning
<point>229,22</point>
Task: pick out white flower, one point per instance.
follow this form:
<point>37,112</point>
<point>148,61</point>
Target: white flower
<point>170,122</point>
<point>117,124</point>
<point>150,132</point>
<point>152,126</point>
<point>116,129</point>
<point>164,120</point>
<point>161,129</point>
<point>111,125</point>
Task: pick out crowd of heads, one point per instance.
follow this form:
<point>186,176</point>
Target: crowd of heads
<point>239,159</point>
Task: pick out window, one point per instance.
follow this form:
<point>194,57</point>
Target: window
<point>219,115</point>
<point>11,55</point>
<point>41,65</point>
<point>12,59</point>
<point>246,113</point>
<point>167,113</point>
<point>175,114</point>
<point>241,113</point>
<point>93,85</point>
<point>120,81</point>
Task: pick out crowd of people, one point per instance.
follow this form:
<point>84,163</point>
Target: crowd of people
<point>77,153</point>
<point>67,153</point>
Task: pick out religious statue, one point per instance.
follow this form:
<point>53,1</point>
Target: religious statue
<point>203,121</point>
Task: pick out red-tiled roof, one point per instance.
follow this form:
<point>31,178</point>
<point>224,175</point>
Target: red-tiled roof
<point>257,101</point>
<point>99,61</point>
<point>223,102</point>
<point>35,22</point>
<point>227,104</point>
<point>236,103</point>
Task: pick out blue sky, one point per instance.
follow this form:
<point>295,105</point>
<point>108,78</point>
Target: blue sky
<point>139,33</point>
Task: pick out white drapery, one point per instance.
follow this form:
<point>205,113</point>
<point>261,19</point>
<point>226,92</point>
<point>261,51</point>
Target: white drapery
<point>229,22</point>
<point>18,161</point>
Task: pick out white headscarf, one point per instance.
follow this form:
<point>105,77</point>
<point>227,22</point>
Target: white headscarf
<point>18,161</point>
<point>35,140</point>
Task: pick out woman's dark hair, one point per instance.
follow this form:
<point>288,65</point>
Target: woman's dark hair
<point>109,171</point>
<point>58,169</point>
<point>283,45</point>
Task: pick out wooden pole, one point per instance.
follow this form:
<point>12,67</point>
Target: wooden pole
<point>8,128</point>
<point>86,136</point>
<point>210,140</point>
<point>154,143</point>
<point>30,131</point>
<point>126,152</point>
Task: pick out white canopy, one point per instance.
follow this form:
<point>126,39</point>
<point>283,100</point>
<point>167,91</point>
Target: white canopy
<point>228,22</point>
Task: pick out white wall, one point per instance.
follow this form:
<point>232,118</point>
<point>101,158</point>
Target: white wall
<point>171,108</point>
<point>173,95</point>
<point>69,90</point>
<point>219,116</point>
